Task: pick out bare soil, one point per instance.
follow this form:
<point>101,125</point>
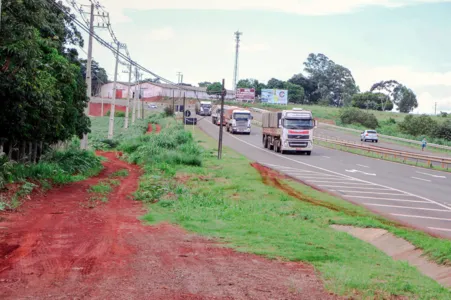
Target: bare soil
<point>54,247</point>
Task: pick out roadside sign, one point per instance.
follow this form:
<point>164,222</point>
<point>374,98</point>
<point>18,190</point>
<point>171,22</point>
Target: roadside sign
<point>187,113</point>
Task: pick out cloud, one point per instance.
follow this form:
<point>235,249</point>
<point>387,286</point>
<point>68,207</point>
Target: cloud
<point>301,7</point>
<point>160,34</point>
<point>426,104</point>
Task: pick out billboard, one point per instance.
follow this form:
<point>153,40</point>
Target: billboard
<point>274,96</point>
<point>245,94</point>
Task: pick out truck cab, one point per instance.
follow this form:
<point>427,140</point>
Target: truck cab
<point>239,121</point>
<point>297,130</point>
<point>204,108</point>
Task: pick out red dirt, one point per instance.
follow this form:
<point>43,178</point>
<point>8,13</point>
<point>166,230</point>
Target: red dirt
<point>158,128</point>
<point>149,128</point>
<point>54,247</point>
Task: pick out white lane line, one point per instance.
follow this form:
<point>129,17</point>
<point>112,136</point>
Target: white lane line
<point>333,172</point>
<point>439,229</point>
<point>326,156</point>
<point>359,188</point>
<point>313,175</point>
<point>362,166</point>
<point>344,182</point>
<point>318,177</point>
<point>420,217</point>
<point>436,176</point>
<point>357,171</point>
<point>388,199</point>
<point>427,180</point>
<point>406,207</point>
<point>374,193</point>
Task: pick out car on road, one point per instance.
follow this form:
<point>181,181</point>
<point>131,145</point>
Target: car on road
<point>369,135</point>
<point>152,106</point>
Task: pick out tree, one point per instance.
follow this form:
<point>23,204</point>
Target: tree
<point>295,92</point>
<point>388,87</point>
<point>98,75</point>
<point>405,99</point>
<point>214,89</point>
<point>41,85</point>
<point>251,83</point>
<point>371,101</point>
<point>204,84</point>
<point>274,83</point>
<point>335,83</point>
<point>310,87</point>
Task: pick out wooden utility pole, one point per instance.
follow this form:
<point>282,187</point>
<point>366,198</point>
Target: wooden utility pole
<point>127,109</point>
<point>173,102</point>
<point>184,109</point>
<point>222,121</point>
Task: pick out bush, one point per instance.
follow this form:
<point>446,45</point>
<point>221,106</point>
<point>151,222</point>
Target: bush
<point>443,131</point>
<point>169,111</point>
<point>358,116</point>
<point>119,114</point>
<point>418,125</point>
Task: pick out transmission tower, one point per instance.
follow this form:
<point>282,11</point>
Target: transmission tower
<point>235,71</point>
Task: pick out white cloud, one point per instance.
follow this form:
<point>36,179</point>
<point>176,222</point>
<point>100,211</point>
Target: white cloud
<point>426,104</point>
<point>301,7</point>
<point>160,34</point>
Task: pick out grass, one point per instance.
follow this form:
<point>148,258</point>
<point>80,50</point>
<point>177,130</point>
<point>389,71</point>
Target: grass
<point>98,139</point>
<point>227,199</point>
<point>100,191</point>
<point>54,168</point>
<point>409,162</point>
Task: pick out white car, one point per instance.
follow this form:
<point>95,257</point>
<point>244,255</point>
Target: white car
<point>369,135</point>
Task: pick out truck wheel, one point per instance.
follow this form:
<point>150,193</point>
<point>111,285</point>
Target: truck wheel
<point>309,153</point>
<point>276,147</point>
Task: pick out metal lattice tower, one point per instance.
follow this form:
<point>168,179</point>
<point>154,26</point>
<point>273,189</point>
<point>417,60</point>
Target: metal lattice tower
<point>235,71</point>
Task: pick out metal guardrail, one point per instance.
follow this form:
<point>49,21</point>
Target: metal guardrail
<point>390,137</point>
<point>385,152</point>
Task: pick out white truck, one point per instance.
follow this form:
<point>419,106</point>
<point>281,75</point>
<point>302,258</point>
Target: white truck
<point>288,130</point>
<point>238,120</point>
<point>203,108</point>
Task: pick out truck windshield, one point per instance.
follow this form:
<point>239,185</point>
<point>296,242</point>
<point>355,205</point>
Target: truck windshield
<point>205,105</point>
<point>241,116</point>
<point>298,124</point>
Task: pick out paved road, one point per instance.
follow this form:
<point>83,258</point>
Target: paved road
<point>411,195</point>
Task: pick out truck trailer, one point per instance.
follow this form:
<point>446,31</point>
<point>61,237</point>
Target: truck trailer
<point>288,130</point>
<point>216,114</point>
<point>238,120</point>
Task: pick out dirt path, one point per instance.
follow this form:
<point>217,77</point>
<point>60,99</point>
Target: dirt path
<point>56,248</point>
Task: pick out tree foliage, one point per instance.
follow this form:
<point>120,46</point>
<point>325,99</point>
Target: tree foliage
<point>98,76</point>
<point>41,84</point>
<point>371,101</point>
<point>387,86</point>
<point>418,125</point>
<point>335,83</point>
<point>310,87</point>
<point>204,84</point>
<point>358,116</point>
<point>214,89</point>
<point>405,99</point>
<point>251,83</point>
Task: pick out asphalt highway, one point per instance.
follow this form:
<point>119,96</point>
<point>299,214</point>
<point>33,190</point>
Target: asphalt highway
<point>413,196</point>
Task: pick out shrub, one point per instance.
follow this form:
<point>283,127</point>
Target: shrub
<point>358,116</point>
<point>169,111</point>
<point>443,131</point>
<point>418,125</point>
<point>119,114</point>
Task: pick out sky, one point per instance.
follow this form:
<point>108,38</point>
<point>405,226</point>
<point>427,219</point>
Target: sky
<point>405,40</point>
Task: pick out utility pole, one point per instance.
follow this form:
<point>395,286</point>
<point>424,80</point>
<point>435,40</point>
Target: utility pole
<point>173,102</point>
<point>222,121</point>
<point>113,103</point>
<point>184,109</point>
<point>139,96</point>
<point>179,76</point>
<point>235,71</point>
<point>127,110</point>
<point>84,140</point>
<point>134,96</point>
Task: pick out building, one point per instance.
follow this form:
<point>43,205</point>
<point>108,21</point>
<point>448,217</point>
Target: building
<point>151,91</point>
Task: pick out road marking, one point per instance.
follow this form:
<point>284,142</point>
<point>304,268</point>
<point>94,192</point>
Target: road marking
<point>388,199</point>
<point>355,187</point>
<point>436,176</point>
<point>362,166</point>
<point>321,181</point>
<point>427,180</point>
<point>337,173</point>
<point>414,208</point>
<point>374,193</point>
<point>326,156</point>
<point>357,171</point>
<point>318,176</point>
<point>439,229</point>
<point>420,217</point>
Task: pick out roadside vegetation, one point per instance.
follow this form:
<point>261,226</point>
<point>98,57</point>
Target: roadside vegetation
<point>184,183</point>
<point>56,167</point>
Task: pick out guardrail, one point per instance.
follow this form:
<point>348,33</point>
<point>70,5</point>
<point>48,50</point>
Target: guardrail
<point>390,137</point>
<point>396,154</point>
